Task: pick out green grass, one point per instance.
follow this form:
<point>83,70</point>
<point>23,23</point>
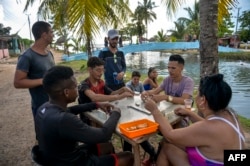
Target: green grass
<point>80,69</point>
<point>235,55</point>
<point>77,66</point>
<point>245,122</point>
<point>243,55</point>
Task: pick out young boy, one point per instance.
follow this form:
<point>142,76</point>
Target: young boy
<point>134,84</point>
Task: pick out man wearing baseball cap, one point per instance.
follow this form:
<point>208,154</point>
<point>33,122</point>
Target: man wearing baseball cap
<point>115,65</point>
<point>115,68</point>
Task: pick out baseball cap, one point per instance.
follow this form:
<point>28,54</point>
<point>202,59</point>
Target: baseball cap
<point>112,33</point>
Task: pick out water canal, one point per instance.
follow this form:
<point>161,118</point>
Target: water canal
<point>236,73</point>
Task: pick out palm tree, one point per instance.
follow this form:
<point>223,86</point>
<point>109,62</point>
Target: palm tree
<point>226,26</point>
<point>211,15</point>
<point>76,44</point>
<point>4,30</point>
<point>144,12</point>
<point>84,18</point>
<point>137,21</point>
<point>192,22</point>
<point>208,38</point>
<point>130,30</point>
<point>161,36</point>
<point>179,30</point>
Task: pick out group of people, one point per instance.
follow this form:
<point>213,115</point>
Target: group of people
<point>66,139</point>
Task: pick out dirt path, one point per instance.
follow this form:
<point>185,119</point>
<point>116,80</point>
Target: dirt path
<point>16,122</point>
<point>17,134</point>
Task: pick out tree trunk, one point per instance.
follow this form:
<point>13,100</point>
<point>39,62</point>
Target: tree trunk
<point>88,45</point>
<point>208,37</point>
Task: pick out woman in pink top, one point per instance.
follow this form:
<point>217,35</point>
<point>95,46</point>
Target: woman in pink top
<point>203,142</point>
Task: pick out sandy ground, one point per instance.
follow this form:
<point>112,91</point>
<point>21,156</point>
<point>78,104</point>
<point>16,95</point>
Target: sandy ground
<point>16,122</point>
<point>17,134</point>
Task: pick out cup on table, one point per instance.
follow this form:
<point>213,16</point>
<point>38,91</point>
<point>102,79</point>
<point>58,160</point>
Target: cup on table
<point>188,103</point>
<point>137,93</point>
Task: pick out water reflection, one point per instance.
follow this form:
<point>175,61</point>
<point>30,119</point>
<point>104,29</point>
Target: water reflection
<point>236,73</point>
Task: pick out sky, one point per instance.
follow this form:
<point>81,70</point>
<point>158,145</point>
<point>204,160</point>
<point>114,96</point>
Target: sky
<point>12,15</point>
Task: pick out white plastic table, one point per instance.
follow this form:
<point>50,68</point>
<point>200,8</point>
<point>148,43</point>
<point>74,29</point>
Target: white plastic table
<point>133,109</point>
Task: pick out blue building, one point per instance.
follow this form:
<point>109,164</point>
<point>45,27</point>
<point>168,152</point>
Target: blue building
<point>10,45</point>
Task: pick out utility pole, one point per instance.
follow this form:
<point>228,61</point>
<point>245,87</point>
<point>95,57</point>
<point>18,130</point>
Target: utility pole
<point>29,24</point>
<point>235,43</point>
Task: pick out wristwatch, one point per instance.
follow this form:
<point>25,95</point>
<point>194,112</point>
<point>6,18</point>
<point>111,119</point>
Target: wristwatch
<point>170,98</point>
